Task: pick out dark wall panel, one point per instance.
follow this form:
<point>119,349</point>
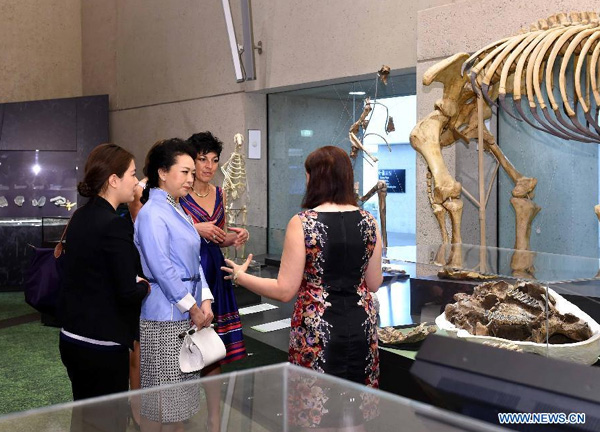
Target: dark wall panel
<point>40,125</point>
<point>92,126</point>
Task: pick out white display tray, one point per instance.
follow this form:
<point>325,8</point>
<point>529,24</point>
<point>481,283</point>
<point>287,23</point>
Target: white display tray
<point>585,352</point>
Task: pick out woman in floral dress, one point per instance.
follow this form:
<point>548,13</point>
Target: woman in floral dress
<point>332,261</point>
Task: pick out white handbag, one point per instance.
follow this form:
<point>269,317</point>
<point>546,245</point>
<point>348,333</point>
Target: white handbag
<point>200,348</point>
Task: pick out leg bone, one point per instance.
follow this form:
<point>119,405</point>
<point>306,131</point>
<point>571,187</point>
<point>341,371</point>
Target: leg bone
<point>455,208</point>
<point>525,211</point>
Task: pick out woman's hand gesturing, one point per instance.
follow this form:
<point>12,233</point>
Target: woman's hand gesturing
<point>234,270</point>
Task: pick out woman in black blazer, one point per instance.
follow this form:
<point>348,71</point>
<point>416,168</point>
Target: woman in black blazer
<point>101,293</point>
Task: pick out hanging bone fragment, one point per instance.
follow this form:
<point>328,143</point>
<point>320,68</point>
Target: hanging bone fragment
<point>383,74</point>
<point>356,142</point>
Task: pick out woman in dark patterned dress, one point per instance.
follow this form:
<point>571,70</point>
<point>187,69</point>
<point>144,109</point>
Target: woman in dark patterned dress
<point>332,261</point>
<point>206,205</point>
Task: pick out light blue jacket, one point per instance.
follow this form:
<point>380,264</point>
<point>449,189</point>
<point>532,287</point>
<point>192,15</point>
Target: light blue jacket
<point>169,248</point>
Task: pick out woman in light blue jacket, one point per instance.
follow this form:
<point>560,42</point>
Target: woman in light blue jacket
<point>169,247</point>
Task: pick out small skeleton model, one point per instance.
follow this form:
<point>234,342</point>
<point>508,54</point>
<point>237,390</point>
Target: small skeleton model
<point>234,170</point>
<point>234,186</point>
<point>532,64</point>
<point>380,187</point>
<point>391,335</point>
<point>515,312</point>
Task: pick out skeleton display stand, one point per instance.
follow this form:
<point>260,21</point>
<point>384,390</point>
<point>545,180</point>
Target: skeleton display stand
<point>380,188</point>
<point>525,66</point>
<point>235,190</point>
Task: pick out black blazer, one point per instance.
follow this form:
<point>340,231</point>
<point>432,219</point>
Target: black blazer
<point>100,298</point>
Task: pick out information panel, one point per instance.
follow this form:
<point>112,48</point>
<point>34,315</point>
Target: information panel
<point>395,179</point>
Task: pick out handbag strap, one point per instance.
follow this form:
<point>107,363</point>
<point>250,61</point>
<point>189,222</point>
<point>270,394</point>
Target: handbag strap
<point>58,249</point>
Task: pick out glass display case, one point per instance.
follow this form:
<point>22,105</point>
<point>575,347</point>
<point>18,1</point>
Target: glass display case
<point>281,397</point>
<point>528,301</point>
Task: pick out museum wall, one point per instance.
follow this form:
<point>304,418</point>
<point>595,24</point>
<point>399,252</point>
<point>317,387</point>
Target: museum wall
<point>40,46</point>
<point>168,70</point>
<point>225,115</point>
<point>151,52</point>
<point>467,27</point>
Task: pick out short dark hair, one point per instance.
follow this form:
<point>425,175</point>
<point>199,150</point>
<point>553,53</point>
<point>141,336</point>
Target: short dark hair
<point>163,155</point>
<point>102,162</point>
<point>331,178</point>
<point>206,142</point>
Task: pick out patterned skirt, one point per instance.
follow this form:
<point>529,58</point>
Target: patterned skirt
<point>227,318</point>
<point>159,348</point>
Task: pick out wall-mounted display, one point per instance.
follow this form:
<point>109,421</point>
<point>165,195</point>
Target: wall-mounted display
<point>29,177</point>
<point>394,178</point>
<point>42,145</point>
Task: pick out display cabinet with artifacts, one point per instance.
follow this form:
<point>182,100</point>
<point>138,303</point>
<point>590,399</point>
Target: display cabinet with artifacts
<point>536,292</point>
<point>43,144</point>
<point>554,313</point>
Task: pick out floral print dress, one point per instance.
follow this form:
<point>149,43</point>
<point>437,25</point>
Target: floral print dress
<point>334,323</point>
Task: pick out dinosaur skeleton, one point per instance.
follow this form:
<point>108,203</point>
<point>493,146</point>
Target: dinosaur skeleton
<point>535,64</point>
<point>380,188</point>
<point>235,184</point>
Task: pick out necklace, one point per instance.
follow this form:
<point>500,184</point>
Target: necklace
<point>201,195</point>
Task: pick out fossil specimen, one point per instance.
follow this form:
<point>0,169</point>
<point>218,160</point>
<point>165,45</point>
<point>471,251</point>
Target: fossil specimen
<point>391,335</point>
<point>457,274</point>
<point>515,312</point>
<point>39,202</point>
